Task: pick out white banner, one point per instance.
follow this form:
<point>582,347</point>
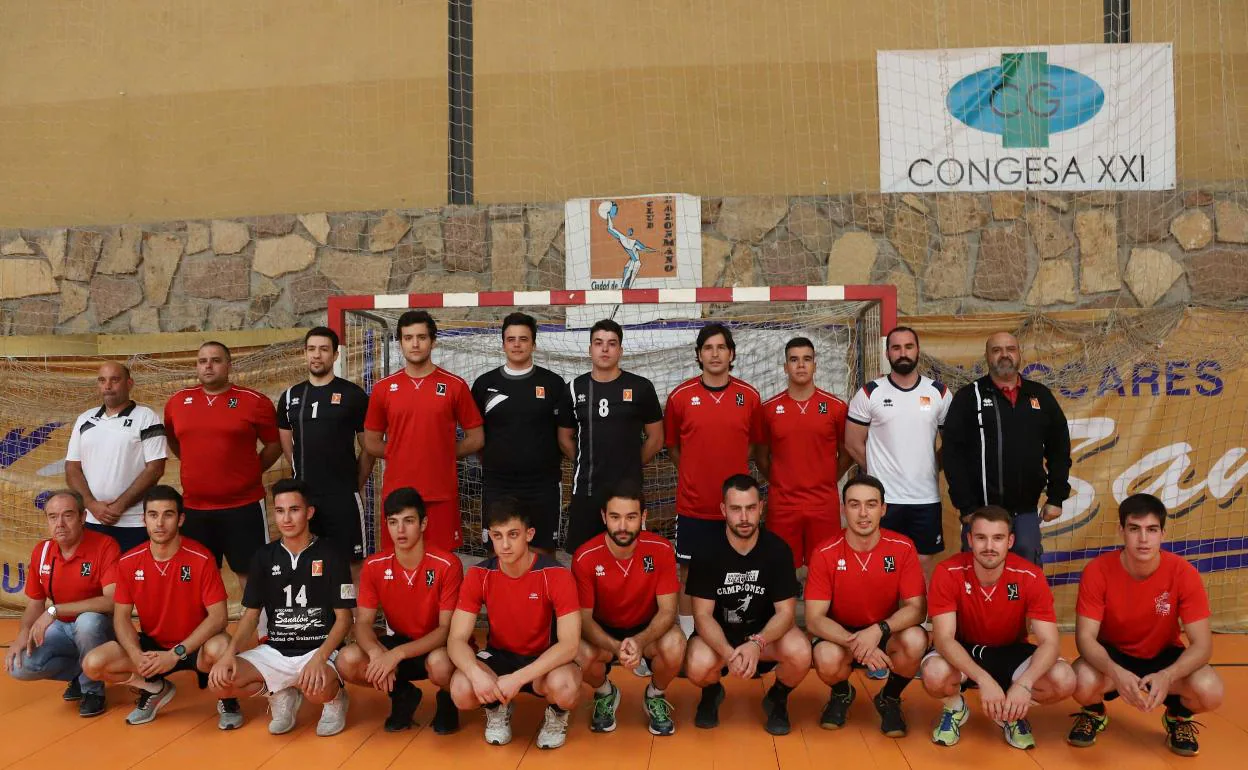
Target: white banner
<point>1071,117</point>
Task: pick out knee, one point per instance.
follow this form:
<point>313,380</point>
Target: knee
<point>211,652</point>
<point>939,678</point>
<point>1208,688</point>
<point>1087,682</point>
<point>351,662</point>
<point>1062,680</point>
<point>563,685</point>
<point>586,654</point>
<point>672,645</point>
<point>912,643</point>
<point>90,627</point>
<point>439,667</point>
<point>95,663</point>
<point>793,649</point>
<point>461,692</point>
<point>832,662</point>
<point>701,663</point>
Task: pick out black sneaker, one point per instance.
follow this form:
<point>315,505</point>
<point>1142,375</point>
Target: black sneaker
<point>1087,725</point>
<point>73,691</point>
<point>1181,735</point>
<point>403,703</point>
<point>892,722</point>
<point>707,715</point>
<point>446,716</point>
<point>777,711</point>
<point>837,711</point>
<point>92,704</point>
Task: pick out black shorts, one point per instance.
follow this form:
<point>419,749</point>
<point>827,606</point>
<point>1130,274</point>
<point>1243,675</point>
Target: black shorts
<point>814,642</point>
<point>693,535</point>
<point>1000,662</point>
<point>921,522</point>
<point>126,537</point>
<point>503,662</point>
<point>234,534</point>
<point>541,505</point>
<point>1142,667</point>
<point>409,669</point>
<point>148,644</point>
<point>340,520</point>
<point>584,521</point>
<point>620,634</point>
<point>764,666</point>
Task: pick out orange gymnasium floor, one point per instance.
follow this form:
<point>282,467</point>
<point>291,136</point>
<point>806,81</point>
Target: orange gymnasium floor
<point>38,729</point>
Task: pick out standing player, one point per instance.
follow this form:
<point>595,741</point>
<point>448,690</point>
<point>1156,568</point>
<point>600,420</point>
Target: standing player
<point>709,424</point>
<point>803,455</point>
<point>982,604</point>
<point>116,453</point>
<point>304,586</point>
<point>745,607</point>
<point>69,612</point>
<point>521,404</point>
<point>864,603</point>
<point>207,424</point>
<point>891,434</point>
<point>602,433</point>
<point>175,587</point>
<point>627,584</point>
<point>1131,604</point>
<point>412,415</point>
<point>320,421</point>
<point>534,632</point>
<point>416,586</point>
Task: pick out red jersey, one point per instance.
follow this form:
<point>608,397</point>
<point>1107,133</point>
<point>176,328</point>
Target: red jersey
<point>418,416</point>
<point>1142,618</point>
<point>992,615</point>
<point>864,587</point>
<point>82,576</point>
<point>217,438</point>
<point>172,596</point>
<point>413,598</point>
<point>521,611</point>
<point>804,437</point>
<point>714,428</point>
<point>624,594</point>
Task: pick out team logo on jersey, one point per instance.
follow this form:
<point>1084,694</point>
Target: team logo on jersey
<point>823,407</point>
<point>188,400</point>
<point>318,568</point>
<point>138,575</point>
<point>335,398</point>
<point>695,401</point>
<point>988,402</point>
<point>277,570</point>
<point>887,402</point>
<point>779,408</point>
<point>185,573</point>
<point>533,596</point>
<point>539,391</point>
<point>128,423</point>
<point>232,403</point>
<point>394,386</point>
<point>429,576</point>
<point>628,395</point>
<point>890,564</point>
<point>599,570</point>
<point>1011,591</point>
<point>925,403</point>
<point>740,399</point>
<point>389,574</point>
<point>1035,403</point>
<point>840,565</point>
<point>580,398</point>
<point>441,389</point>
<point>346,591</point>
<point>967,585</point>
<point>647,564</point>
<point>86,569</point>
<point>294,401</point>
<point>1161,604</point>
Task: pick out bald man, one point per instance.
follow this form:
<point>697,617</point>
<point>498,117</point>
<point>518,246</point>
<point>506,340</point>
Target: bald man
<point>1006,443</point>
<point>116,453</point>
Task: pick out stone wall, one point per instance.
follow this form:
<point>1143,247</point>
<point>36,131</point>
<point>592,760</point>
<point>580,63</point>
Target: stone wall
<point>946,253</point>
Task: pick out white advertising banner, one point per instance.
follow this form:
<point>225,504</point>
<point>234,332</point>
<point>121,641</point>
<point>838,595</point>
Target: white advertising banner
<point>1069,117</point>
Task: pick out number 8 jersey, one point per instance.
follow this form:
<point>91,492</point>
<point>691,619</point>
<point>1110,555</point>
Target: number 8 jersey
<point>299,592</point>
<point>610,420</point>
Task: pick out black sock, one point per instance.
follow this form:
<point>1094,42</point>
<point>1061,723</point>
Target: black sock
<point>445,697</point>
<point>1096,708</point>
<point>1175,707</point>
<point>841,688</point>
<point>711,689</point>
<point>491,705</point>
<point>780,690</point>
<point>402,690</point>
<point>556,709</point>
<point>895,684</point>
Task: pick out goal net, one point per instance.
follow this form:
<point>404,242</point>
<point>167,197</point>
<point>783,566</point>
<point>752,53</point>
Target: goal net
<point>846,324</point>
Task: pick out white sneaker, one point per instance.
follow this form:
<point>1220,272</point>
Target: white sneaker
<point>498,725</point>
<point>333,715</point>
<point>554,730</point>
<point>284,706</point>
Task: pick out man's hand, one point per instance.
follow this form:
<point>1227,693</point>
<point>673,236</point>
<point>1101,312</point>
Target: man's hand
<point>20,645</point>
<point>315,674</point>
<point>156,663</point>
<point>877,660</point>
<point>509,686</point>
<point>381,667</point>
<point>223,671</point>
<point>629,654</point>
<point>1128,686</point>
<point>1051,512</point>
<point>1017,701</point>
<point>744,660</point>
<point>485,686</point>
<point>39,628</point>
<point>993,699</point>
<point>1158,687</point>
<point>861,643</point>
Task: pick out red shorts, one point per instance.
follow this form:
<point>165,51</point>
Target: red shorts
<point>803,532</point>
<point>442,530</point>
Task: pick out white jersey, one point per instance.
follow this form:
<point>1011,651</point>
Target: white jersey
<point>114,451</point>
<point>901,439</point>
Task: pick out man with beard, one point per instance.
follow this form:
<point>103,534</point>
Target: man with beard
<point>1005,442</point>
<point>627,585</point>
<point>982,605</point>
<point>745,609</point>
<point>320,421</point>
<point>891,433</point>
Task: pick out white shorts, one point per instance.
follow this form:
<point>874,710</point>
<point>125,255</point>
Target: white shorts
<point>281,671</point>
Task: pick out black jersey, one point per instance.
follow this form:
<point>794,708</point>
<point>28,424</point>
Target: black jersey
<point>325,420</point>
<point>521,426</point>
<point>610,420</point>
<point>745,587</point>
<point>299,592</point>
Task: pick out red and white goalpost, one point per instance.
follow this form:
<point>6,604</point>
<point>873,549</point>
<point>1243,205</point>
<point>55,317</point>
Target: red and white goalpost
<point>846,323</point>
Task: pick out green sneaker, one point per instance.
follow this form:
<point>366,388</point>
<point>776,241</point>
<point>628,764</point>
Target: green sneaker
<point>1088,724</point>
<point>949,728</point>
<point>660,713</point>
<point>605,706</point>
<point>1181,735</point>
<point>1018,734</point>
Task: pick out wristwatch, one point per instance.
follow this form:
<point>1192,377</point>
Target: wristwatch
<point>180,651</point>
<point>52,610</point>
<point>885,631</point>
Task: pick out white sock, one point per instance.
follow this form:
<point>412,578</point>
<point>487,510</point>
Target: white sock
<point>686,624</point>
<point>140,683</point>
<point>604,688</point>
<point>653,692</point>
<point>954,702</point>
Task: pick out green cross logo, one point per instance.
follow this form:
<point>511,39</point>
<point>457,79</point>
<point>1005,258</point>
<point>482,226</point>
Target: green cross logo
<point>1025,126</point>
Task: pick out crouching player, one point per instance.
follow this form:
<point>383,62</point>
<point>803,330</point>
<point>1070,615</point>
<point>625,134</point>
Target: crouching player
<point>628,587</point>
<point>416,585</point>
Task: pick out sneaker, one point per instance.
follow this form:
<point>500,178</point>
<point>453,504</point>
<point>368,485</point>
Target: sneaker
<point>643,670</point>
<point>446,715</point>
<point>73,691</point>
<point>229,714</point>
<point>877,673</point>
<point>777,711</point>
<point>1018,734</point>
<point>283,707</point>
<point>91,705</point>
<point>403,704</point>
<point>605,706</point>
<point>660,713</point>
<point>554,729</point>
<point>151,702</point>
<point>892,722</point>
<point>837,711</point>
<point>707,715</point>
<point>949,728</point>
<point>498,725</point>
<point>334,715</point>
<point>1181,735</point>
<point>1087,725</point>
